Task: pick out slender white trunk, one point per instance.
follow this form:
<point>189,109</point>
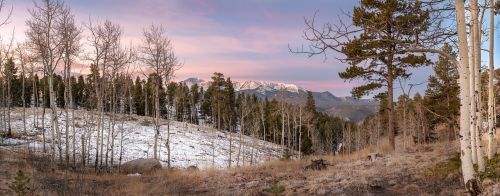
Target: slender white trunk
<point>472,70</point>
<point>157,117</point>
<point>300,132</point>
<point>24,100</point>
<point>479,106</point>
<point>54,121</point>
<point>491,104</point>
<point>465,144</point>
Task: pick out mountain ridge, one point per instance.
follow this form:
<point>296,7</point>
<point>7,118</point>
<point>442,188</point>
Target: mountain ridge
<point>347,107</point>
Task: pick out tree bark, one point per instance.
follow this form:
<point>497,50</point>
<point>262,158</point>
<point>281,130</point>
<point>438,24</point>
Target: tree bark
<point>491,104</point>
<point>478,91</point>
<point>468,173</point>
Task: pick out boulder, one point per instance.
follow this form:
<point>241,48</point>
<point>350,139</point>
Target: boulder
<point>192,168</point>
<point>140,166</point>
<point>374,156</point>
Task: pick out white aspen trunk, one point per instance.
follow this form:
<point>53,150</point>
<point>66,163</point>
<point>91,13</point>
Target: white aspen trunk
<point>300,132</point>
<point>157,116</point>
<point>465,145</point>
<point>34,101</point>
<point>113,121</point>
<point>82,140</point>
<point>24,99</point>
<point>242,128</point>
<point>473,104</point>
<point>168,143</point>
<point>66,112</point>
<point>121,145</point>
<point>54,120</point>
<point>479,106</point>
<point>282,128</point>
<point>491,104</point>
<point>43,116</point>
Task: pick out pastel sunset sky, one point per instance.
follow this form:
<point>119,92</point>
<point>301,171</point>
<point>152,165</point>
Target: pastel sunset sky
<point>246,40</point>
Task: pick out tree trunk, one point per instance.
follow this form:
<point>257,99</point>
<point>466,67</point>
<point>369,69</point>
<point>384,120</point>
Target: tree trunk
<point>43,114</point>
<point>24,99</point>
<point>113,121</point>
<point>473,97</point>
<point>9,103</point>
<point>468,173</point>
<point>157,116</point>
<point>491,104</point>
<point>478,93</point>
<point>54,120</point>
<point>300,132</point>
<point>66,112</point>
<point>390,106</point>
<point>282,129</point>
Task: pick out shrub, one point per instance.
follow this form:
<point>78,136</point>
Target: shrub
<point>276,189</point>
<point>20,184</point>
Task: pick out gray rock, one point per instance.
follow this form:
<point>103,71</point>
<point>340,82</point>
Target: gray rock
<point>140,166</point>
<point>192,168</point>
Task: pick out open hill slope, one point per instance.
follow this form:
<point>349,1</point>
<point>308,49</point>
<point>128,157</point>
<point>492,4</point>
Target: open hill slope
<point>191,145</point>
<point>419,170</point>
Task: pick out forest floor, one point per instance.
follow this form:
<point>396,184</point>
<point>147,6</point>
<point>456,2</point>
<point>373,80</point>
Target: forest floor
<point>432,169</point>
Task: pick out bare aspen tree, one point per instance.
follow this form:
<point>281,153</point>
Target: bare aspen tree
<point>120,57</point>
<point>491,104</point>
<point>3,58</point>
<point>69,33</point>
<point>43,36</point>
<point>158,55</point>
<point>102,39</point>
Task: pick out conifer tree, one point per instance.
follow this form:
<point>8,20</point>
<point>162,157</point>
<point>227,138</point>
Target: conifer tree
<point>375,46</point>
<point>441,95</point>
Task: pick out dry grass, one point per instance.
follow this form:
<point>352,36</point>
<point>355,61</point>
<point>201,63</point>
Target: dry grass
<point>350,174</point>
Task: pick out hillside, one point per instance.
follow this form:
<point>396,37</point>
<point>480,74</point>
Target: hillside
<point>419,170</point>
<point>344,107</point>
<point>191,145</point>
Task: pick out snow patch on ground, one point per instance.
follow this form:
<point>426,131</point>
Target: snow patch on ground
<point>191,145</point>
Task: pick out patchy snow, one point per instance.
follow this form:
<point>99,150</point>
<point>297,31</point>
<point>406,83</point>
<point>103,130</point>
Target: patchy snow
<point>191,145</point>
<point>261,86</point>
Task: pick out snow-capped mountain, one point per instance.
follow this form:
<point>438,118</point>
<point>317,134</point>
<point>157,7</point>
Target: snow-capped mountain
<point>260,86</point>
<point>345,107</point>
<point>263,86</point>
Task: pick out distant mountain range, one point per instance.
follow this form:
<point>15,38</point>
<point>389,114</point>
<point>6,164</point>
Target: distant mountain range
<point>348,108</point>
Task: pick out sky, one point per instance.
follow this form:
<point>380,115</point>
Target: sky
<point>246,40</point>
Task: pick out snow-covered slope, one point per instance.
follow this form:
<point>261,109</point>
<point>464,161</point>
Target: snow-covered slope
<point>191,145</point>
